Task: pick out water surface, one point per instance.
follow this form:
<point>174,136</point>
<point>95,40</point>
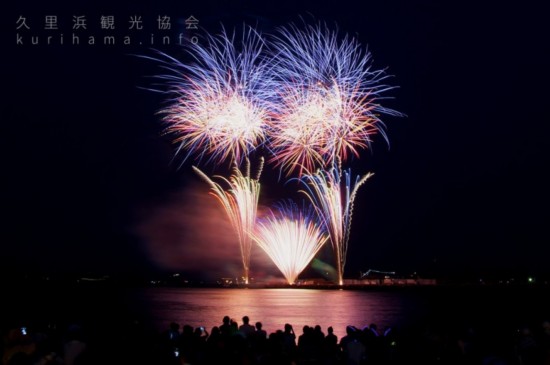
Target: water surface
<point>275,307</point>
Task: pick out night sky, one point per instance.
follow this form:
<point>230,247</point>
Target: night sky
<point>90,183</point>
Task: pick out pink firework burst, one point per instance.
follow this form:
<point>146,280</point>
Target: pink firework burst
<point>218,109</point>
<point>328,99</point>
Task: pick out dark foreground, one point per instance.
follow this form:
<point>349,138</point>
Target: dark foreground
<point>41,327</point>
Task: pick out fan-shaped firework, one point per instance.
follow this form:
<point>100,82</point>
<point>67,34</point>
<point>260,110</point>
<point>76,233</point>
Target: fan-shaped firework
<point>219,108</point>
<point>240,202</point>
<point>291,238</point>
<point>327,102</point>
<point>333,199</point>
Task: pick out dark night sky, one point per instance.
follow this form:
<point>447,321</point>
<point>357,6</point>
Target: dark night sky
<point>89,185</point>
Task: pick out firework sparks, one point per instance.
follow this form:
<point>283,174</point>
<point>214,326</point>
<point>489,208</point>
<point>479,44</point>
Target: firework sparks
<point>333,199</point>
<point>328,99</point>
<point>291,239</point>
<point>318,125</point>
<point>240,202</point>
<point>313,101</point>
<point>218,109</point>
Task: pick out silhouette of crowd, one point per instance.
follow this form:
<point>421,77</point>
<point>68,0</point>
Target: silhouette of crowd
<point>247,344</point>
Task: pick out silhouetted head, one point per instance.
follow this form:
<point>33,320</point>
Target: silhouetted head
<point>187,329</point>
<point>288,327</point>
<point>330,329</point>
<point>246,319</point>
<point>258,325</point>
<point>226,320</point>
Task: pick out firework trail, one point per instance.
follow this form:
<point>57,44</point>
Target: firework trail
<point>240,202</point>
<point>290,238</point>
<point>328,96</point>
<point>218,108</point>
<point>333,196</point>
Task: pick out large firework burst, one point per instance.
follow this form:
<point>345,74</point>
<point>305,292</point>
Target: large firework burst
<point>218,108</point>
<point>328,96</point>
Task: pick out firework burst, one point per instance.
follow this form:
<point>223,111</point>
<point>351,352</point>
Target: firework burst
<point>218,108</point>
<point>312,100</point>
<point>291,239</point>
<point>327,99</point>
<point>240,202</point>
<point>332,193</point>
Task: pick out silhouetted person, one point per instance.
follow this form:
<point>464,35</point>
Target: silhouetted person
<point>225,328</point>
<point>259,342</point>
<point>260,333</point>
<point>289,342</point>
<point>198,345</point>
<point>306,345</point>
<point>275,347</point>
<point>215,347</point>
<point>353,351</point>
<point>238,345</point>
<point>246,329</point>
<point>347,338</point>
<point>373,343</point>
<point>374,329</point>
<point>330,347</point>
<point>186,343</point>
<point>319,334</point>
<point>173,333</point>
<point>318,341</point>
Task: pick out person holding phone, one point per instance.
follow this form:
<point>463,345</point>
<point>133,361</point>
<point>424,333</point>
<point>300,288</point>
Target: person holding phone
<point>289,342</point>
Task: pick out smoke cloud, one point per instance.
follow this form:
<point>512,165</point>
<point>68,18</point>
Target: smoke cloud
<point>189,231</point>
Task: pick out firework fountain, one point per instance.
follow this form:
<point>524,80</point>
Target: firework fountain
<point>333,198</point>
<point>240,202</point>
<point>291,238</point>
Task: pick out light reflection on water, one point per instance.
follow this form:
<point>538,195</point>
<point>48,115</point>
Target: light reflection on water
<point>275,307</point>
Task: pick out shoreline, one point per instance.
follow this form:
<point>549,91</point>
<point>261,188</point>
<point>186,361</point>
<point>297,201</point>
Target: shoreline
<point>387,286</point>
